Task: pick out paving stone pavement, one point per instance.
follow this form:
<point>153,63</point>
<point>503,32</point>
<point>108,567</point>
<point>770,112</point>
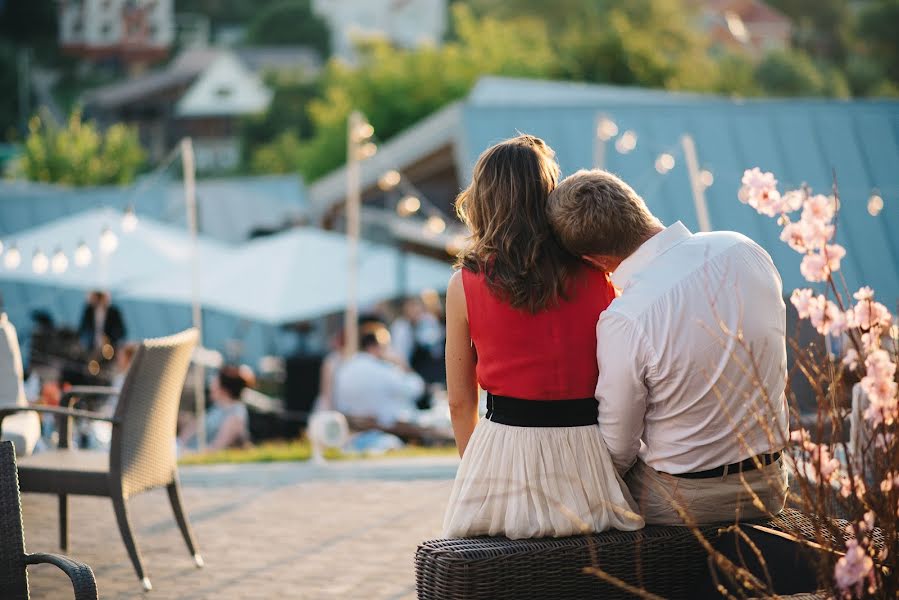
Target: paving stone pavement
<point>287,530</point>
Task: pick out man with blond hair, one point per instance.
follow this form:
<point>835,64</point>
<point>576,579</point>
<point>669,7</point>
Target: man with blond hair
<point>692,356</point>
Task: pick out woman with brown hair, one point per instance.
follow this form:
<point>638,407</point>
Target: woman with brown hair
<point>521,323</point>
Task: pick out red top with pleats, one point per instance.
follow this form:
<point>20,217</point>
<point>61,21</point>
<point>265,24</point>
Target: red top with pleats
<point>550,355</point>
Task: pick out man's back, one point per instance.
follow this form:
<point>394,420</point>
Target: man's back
<point>702,319</point>
<point>367,386</point>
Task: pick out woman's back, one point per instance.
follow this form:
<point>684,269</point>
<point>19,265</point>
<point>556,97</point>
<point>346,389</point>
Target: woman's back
<point>547,355</point>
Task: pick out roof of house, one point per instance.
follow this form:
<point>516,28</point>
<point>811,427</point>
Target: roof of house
<point>800,140</point>
<point>180,72</point>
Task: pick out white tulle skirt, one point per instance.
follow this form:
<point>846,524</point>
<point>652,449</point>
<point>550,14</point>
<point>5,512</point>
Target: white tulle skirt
<point>527,482</point>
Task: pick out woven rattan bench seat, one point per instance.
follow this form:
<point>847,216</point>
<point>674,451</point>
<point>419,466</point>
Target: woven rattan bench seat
<point>668,561</point>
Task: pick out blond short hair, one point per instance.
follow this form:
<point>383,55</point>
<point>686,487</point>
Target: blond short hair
<point>595,212</point>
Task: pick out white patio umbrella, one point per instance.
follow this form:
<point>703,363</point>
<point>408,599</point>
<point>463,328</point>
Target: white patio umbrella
<point>97,253</point>
<point>297,275</point>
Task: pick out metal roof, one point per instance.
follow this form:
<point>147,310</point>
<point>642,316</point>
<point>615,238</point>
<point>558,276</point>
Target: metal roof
<point>800,140</point>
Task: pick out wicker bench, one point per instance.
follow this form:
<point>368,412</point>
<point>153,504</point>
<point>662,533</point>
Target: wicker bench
<point>668,561</point>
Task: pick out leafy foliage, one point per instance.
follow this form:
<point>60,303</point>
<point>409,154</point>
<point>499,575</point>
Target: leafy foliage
<point>79,155</point>
<point>290,22</point>
<point>793,73</point>
<point>396,87</point>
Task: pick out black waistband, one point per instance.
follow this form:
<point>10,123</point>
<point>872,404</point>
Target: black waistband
<point>749,464</point>
<point>541,413</point>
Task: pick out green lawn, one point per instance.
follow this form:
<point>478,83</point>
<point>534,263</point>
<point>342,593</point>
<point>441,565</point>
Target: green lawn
<point>300,450</point>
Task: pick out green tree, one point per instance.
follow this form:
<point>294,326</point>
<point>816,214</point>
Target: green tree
<point>79,154</point>
<point>290,22</point>
<point>877,27</point>
<point>286,114</point>
<point>823,28</point>
<point>651,43</point>
<point>397,87</point>
<point>794,73</point>
<point>281,155</point>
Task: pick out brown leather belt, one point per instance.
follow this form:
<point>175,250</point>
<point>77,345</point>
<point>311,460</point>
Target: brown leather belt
<point>749,464</point>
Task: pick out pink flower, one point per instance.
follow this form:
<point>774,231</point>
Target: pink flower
<point>818,266</point>
<point>853,569</point>
<point>864,293</point>
<point>759,191</point>
<point>826,465</point>
<point>818,208</point>
<point>869,314</point>
<point>803,235</point>
<point>792,201</point>
<point>851,359</point>
<point>871,341</point>
<point>826,316</point>
<point>801,299</point>
<point>814,267</point>
<point>880,387</point>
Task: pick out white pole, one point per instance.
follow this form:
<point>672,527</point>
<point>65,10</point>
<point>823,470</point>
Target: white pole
<point>599,144</point>
<point>190,201</point>
<point>702,209</point>
<point>355,122</point>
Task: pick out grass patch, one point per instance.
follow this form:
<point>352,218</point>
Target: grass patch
<point>300,450</point>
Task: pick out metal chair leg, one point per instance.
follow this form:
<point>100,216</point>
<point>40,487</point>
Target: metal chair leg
<point>174,490</point>
<point>121,514</point>
<point>63,522</point>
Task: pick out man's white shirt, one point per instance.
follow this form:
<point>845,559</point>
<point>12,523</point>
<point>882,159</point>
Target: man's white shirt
<point>692,355</point>
<point>367,386</point>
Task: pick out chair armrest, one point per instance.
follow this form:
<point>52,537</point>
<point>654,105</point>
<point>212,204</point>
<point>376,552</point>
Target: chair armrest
<point>81,575</point>
<point>55,410</point>
<point>81,391</point>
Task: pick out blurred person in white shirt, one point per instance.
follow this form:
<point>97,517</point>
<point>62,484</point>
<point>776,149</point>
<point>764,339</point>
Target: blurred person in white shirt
<point>371,385</point>
<point>692,356</point>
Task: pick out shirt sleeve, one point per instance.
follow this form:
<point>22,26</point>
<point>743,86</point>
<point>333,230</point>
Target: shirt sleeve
<point>621,390</point>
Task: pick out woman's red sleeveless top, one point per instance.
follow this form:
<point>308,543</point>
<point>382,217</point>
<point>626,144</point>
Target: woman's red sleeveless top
<point>550,355</point>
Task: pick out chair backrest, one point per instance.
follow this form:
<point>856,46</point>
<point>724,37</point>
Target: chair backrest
<point>142,452</point>
<point>13,577</point>
<point>12,388</point>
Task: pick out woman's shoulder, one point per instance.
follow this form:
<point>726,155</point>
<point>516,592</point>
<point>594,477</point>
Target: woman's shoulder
<point>592,281</point>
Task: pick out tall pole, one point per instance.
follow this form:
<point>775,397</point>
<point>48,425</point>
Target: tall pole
<point>599,143</point>
<point>190,202</point>
<point>355,124</point>
<point>702,209</point>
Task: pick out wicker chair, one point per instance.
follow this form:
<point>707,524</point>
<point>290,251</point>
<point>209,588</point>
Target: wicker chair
<point>667,561</point>
<point>142,452</point>
<point>13,559</point>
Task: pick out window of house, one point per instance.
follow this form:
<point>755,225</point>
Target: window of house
<point>106,29</point>
<point>223,92</point>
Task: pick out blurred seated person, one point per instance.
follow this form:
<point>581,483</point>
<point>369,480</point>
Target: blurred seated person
<point>98,434</point>
<point>418,337</point>
<point>101,323</point>
<point>227,421</point>
<point>371,385</point>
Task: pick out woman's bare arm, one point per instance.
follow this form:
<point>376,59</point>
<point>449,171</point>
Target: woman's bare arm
<point>461,379</point>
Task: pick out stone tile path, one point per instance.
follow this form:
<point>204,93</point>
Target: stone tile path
<point>288,530</point>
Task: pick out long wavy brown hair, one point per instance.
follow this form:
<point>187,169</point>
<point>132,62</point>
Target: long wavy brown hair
<point>511,241</point>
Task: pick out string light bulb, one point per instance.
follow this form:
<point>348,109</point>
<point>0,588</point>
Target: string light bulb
<point>364,131</point>
<point>129,219</point>
<point>109,241</point>
<point>83,255</point>
<point>875,204</point>
<point>60,262</point>
<point>389,180</point>
<point>627,142</point>
<point>408,205</point>
<point>606,129</point>
<point>706,178</point>
<point>13,258</point>
<point>664,163</point>
<point>435,225</point>
<point>39,262</point>
<point>367,150</point>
